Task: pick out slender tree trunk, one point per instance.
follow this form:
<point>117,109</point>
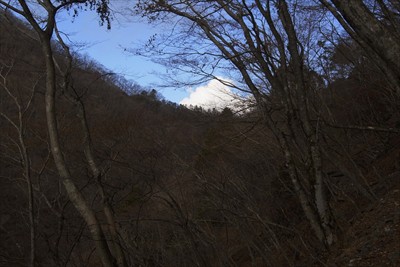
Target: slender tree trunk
<point>88,151</point>
<point>311,133</point>
<point>73,192</point>
<point>112,226</point>
<point>28,178</point>
<point>306,202</point>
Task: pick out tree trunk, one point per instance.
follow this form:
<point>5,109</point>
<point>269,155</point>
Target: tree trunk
<point>380,40</point>
<point>74,194</point>
<point>28,178</point>
<point>311,133</point>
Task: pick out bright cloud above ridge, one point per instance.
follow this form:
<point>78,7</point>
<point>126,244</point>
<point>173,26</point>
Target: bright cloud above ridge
<point>212,95</point>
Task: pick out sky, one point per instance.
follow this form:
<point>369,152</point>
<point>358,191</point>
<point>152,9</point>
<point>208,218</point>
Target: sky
<point>108,47</point>
<point>213,95</point>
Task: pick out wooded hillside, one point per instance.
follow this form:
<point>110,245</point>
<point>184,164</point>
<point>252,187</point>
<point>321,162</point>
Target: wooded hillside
<point>96,170</point>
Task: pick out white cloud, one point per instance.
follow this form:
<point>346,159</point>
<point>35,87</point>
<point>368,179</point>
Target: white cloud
<point>212,95</point>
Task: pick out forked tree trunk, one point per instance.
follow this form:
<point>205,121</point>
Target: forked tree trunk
<point>311,132</point>
<point>73,192</point>
<point>88,151</point>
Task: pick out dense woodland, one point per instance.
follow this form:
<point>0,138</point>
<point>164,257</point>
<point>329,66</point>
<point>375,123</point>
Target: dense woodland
<point>96,170</point>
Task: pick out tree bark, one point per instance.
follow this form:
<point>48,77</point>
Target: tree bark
<point>73,192</point>
<point>88,151</point>
<point>381,43</point>
<point>311,133</point>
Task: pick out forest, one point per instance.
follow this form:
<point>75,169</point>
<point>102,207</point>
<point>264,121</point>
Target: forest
<point>97,170</point>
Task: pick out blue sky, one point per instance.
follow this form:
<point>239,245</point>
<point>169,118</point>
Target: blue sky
<point>129,32</point>
<point>108,46</point>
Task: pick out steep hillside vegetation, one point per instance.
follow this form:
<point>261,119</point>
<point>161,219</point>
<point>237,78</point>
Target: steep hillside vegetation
<point>190,187</point>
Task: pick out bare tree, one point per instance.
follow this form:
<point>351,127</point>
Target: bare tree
<point>20,126</point>
<point>45,32</point>
<point>260,42</point>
